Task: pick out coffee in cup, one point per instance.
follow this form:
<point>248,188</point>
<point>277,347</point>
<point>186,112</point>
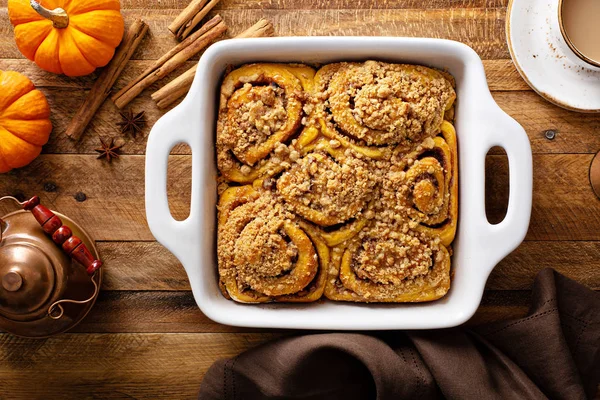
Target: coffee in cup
<point>579,22</point>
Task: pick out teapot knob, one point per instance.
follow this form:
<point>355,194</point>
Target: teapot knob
<point>12,281</point>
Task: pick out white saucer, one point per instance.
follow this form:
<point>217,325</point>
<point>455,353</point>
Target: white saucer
<point>545,61</point>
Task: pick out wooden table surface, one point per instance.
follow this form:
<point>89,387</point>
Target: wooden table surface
<point>145,338</point>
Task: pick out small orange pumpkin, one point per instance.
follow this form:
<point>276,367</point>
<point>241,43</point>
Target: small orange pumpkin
<point>24,121</point>
<point>71,37</point>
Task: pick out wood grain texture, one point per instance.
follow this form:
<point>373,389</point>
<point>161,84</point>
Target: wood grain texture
<point>576,260</point>
<point>133,266</point>
<point>177,312</point>
<point>482,29</point>
<point>501,74</point>
<point>564,206</point>
<point>140,266</point>
<point>114,209</point>
<point>117,366</point>
<point>155,311</point>
<point>498,306</point>
<point>312,4</point>
<point>575,131</point>
<point>146,337</point>
<point>65,95</point>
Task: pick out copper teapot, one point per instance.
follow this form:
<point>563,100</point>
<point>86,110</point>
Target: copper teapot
<point>49,271</point>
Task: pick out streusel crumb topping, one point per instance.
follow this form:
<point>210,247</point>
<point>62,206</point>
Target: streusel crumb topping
<point>336,187</point>
<point>381,103</point>
<point>386,255</point>
<point>259,112</point>
<point>367,177</point>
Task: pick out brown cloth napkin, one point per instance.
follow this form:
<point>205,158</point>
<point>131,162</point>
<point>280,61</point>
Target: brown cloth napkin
<point>553,353</point>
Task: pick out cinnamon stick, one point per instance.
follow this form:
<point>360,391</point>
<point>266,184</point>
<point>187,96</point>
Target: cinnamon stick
<point>170,61</point>
<point>191,16</point>
<point>207,27</point>
<point>179,86</point>
<point>174,95</point>
<point>186,15</point>
<point>263,28</point>
<point>109,75</point>
<point>173,90</point>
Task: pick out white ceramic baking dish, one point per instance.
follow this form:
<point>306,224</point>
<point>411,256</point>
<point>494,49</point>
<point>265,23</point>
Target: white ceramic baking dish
<point>480,124</point>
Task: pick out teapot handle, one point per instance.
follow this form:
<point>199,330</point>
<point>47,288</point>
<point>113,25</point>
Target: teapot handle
<point>61,234</point>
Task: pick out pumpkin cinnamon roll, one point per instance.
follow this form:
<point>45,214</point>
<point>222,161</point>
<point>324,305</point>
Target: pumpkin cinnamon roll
<point>373,106</point>
<point>264,253</point>
<point>328,185</point>
<point>384,264</point>
<point>261,107</point>
<point>423,186</point>
<point>350,182</point>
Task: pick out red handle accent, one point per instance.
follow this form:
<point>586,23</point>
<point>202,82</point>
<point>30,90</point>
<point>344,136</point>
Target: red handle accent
<point>62,235</point>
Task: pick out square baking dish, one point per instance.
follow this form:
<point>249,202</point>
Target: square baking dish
<point>480,125</point>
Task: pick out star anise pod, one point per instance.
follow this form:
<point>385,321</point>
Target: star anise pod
<point>132,123</point>
<point>109,150</point>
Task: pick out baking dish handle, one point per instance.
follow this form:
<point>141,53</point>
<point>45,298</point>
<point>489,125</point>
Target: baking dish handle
<point>169,131</point>
<point>498,240</point>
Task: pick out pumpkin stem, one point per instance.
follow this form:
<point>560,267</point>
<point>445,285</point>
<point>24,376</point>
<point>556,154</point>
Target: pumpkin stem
<point>58,16</point>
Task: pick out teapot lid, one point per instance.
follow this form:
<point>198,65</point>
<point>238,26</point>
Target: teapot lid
<point>32,269</point>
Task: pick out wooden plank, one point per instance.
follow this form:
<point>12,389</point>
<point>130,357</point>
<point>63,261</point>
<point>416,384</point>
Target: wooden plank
<point>500,306</point>
<point>576,260</point>
<point>64,101</point>
<point>82,366</point>
<point>328,4</point>
<point>575,132</point>
<point>482,29</point>
<point>44,79</point>
<point>119,366</point>
<point>312,4</point>
<point>149,266</point>
<point>177,312</point>
<point>114,208</point>
<point>564,206</point>
<point>141,266</point>
<point>156,311</point>
<point>501,75</point>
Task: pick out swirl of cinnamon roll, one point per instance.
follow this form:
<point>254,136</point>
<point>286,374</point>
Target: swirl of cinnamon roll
<point>423,186</point>
<point>383,264</point>
<point>374,105</point>
<point>261,107</point>
<point>264,254</point>
<point>328,185</point>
